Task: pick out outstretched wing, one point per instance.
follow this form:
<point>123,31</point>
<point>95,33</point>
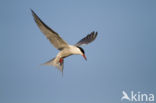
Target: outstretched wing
<point>53,37</point>
<point>88,39</point>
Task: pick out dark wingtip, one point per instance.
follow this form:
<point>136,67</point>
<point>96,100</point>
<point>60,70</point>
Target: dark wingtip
<point>96,34</point>
<point>30,9</point>
<point>33,13</point>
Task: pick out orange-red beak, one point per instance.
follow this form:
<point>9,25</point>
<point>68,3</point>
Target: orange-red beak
<point>84,56</point>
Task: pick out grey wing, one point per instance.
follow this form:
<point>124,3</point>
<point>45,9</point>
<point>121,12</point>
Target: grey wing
<point>88,39</point>
<point>53,37</point>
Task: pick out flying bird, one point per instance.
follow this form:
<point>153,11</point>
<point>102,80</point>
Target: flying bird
<point>64,48</point>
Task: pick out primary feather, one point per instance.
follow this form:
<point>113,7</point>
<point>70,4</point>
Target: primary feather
<point>88,39</point>
<point>53,37</point>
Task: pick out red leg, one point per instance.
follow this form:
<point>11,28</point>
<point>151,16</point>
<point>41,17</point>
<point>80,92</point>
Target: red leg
<point>61,60</point>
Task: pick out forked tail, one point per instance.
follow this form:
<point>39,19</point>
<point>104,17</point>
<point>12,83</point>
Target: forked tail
<point>57,64</point>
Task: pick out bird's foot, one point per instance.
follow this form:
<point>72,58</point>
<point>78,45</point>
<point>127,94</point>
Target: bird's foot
<point>61,61</point>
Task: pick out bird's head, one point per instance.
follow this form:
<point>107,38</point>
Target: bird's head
<point>82,52</point>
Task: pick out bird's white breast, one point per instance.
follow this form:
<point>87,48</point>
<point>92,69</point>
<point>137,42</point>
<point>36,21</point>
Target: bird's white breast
<point>69,51</point>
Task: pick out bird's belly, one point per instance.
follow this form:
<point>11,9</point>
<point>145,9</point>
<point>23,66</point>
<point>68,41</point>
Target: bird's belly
<point>65,53</point>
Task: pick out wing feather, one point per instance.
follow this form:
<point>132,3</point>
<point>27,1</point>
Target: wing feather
<point>88,39</point>
<point>53,37</point>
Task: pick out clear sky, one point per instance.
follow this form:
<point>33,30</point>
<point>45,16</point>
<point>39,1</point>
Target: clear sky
<point>123,57</point>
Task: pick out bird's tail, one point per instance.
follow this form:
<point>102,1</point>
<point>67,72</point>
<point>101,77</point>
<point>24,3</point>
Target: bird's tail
<point>55,63</point>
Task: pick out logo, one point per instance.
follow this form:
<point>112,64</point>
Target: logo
<point>137,97</point>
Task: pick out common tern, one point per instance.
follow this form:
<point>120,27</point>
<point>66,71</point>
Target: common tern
<point>64,48</point>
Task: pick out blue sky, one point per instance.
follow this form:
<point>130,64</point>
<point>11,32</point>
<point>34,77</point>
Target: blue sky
<point>121,58</point>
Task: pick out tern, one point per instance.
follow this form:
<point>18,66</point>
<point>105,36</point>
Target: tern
<point>64,48</point>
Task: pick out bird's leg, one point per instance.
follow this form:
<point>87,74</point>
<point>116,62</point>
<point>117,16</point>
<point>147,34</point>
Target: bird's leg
<point>61,60</point>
